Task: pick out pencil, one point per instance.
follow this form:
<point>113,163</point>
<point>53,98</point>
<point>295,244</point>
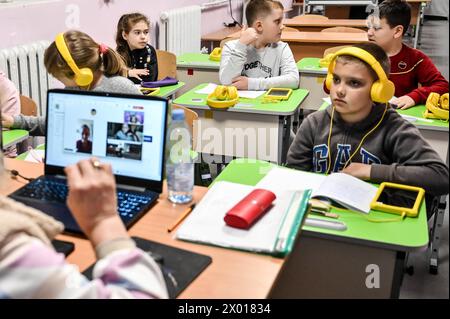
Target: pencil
<point>181,218</point>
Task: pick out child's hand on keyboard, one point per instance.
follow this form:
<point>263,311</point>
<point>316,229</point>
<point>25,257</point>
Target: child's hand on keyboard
<point>93,202</point>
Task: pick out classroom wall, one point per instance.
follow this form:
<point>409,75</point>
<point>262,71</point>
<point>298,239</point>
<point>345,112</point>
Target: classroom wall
<point>43,20</point>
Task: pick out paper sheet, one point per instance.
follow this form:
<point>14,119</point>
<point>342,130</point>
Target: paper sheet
<point>35,156</point>
<point>242,93</point>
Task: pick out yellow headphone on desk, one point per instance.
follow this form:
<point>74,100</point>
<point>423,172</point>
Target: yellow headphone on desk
<point>382,90</point>
<point>437,106</point>
<point>223,97</point>
<point>216,54</point>
<point>84,76</point>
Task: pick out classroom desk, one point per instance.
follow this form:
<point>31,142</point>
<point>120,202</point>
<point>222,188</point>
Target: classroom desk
<point>169,91</point>
<point>12,137</point>
<point>232,274</point>
<point>196,68</point>
<point>336,264</point>
<point>313,25</point>
<point>313,44</point>
<point>265,126</point>
<point>312,77</point>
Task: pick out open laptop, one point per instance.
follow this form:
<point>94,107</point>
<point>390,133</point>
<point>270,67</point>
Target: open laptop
<point>127,131</point>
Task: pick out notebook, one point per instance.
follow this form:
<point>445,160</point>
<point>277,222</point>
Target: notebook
<point>337,188</point>
<point>274,233</point>
<point>126,131</point>
<point>179,267</point>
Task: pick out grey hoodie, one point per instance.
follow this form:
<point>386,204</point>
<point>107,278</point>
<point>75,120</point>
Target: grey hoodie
<point>396,150</point>
<point>271,66</point>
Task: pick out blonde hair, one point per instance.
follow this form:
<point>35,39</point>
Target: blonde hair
<point>86,54</point>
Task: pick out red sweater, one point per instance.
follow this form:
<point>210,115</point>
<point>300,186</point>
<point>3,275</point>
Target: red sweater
<point>411,67</point>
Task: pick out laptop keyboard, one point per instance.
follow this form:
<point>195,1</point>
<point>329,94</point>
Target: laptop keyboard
<point>54,190</point>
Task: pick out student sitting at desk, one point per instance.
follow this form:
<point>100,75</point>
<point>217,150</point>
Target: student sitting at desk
<point>80,63</point>
<point>132,44</point>
<point>409,67</point>
<point>9,104</point>
<point>30,268</point>
<point>258,60</point>
<point>360,134</point>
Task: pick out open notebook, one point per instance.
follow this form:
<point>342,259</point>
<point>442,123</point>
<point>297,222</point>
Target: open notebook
<point>340,188</point>
<point>274,233</point>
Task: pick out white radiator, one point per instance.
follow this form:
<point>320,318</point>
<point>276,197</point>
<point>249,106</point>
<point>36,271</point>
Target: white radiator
<point>24,65</point>
<point>179,30</point>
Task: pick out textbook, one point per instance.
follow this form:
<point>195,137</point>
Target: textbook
<point>338,188</point>
<point>274,233</point>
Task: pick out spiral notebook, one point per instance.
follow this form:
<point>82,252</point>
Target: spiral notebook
<point>274,233</point>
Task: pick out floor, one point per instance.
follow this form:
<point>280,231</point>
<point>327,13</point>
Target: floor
<point>422,284</point>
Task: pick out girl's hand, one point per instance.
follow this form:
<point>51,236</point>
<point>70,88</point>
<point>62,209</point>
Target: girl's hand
<point>137,73</point>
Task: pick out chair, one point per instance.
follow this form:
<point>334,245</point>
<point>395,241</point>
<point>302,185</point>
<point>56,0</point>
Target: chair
<point>167,64</point>
<point>310,17</point>
<point>343,30</point>
<point>191,119</point>
<point>27,106</point>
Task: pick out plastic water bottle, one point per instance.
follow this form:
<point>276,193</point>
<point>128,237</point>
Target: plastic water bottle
<point>179,164</point>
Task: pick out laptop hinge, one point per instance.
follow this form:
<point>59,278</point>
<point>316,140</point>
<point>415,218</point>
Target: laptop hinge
<point>132,188</point>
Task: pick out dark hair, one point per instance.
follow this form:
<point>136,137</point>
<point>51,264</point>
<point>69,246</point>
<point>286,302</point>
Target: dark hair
<point>260,9</point>
<point>86,54</point>
<point>376,51</point>
<point>396,12</point>
<point>125,24</point>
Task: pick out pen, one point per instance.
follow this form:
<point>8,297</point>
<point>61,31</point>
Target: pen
<point>181,218</point>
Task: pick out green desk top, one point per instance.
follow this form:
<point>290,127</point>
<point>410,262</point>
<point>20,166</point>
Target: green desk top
<point>12,137</point>
<point>166,91</point>
<point>197,60</point>
<point>416,111</point>
<point>311,65</point>
<point>409,234</point>
<point>198,101</point>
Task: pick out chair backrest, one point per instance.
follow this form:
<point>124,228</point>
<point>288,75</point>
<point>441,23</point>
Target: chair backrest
<point>290,29</point>
<point>167,64</point>
<point>191,119</point>
<point>27,106</point>
<point>343,29</point>
<point>310,17</point>
<point>333,49</point>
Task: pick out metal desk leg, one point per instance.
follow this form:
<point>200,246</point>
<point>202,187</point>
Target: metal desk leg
<point>435,235</point>
<point>417,29</point>
<point>285,126</point>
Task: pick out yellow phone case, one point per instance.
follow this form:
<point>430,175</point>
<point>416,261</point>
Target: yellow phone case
<point>278,94</point>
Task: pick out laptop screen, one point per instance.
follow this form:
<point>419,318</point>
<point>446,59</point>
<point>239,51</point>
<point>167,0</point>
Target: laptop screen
<point>124,130</point>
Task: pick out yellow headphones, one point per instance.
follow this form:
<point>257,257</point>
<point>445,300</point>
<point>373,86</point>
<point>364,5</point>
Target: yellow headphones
<point>437,106</point>
<point>216,54</point>
<point>382,90</point>
<point>223,97</point>
<point>84,76</point>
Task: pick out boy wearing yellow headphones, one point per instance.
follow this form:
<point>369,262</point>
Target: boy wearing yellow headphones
<point>258,60</point>
<point>359,134</point>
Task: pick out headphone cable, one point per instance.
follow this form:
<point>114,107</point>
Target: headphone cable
<point>14,173</point>
<point>360,143</point>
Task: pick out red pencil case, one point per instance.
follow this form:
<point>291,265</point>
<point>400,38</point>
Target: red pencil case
<point>245,213</point>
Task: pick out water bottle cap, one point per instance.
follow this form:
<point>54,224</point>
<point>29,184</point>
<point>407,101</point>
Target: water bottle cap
<point>178,115</point>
